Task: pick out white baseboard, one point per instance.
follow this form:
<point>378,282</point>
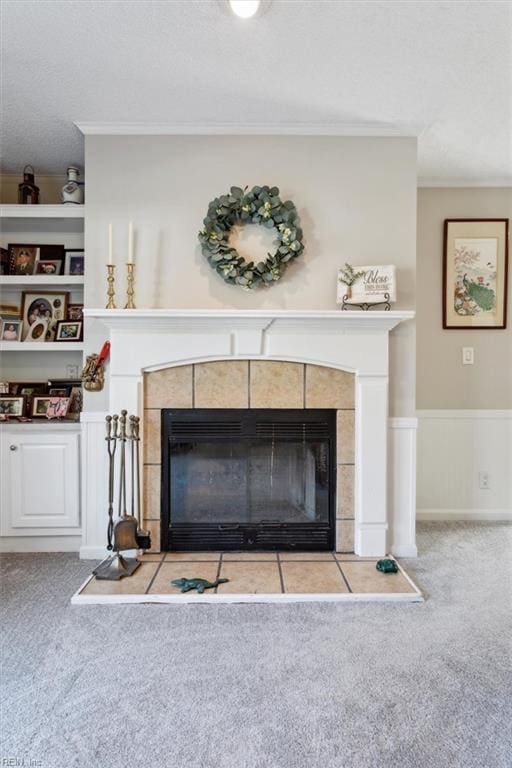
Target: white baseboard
<point>40,543</point>
<point>405,550</point>
<point>483,515</point>
<point>93,553</point>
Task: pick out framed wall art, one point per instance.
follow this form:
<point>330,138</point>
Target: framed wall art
<point>367,284</point>
<point>475,264</point>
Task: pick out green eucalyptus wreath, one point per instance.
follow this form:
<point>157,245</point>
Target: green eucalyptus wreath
<point>260,205</point>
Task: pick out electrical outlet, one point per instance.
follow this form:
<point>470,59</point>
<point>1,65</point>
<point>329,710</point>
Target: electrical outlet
<point>468,355</point>
<point>72,371</point>
<point>484,480</point>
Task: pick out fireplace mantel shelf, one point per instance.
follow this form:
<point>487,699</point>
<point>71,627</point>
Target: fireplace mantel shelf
<point>144,320</point>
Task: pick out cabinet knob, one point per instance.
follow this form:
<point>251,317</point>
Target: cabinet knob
<point>13,447</point>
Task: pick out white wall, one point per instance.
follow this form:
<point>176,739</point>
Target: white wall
<point>356,198</point>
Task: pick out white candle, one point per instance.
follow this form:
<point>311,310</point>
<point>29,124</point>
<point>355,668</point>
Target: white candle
<point>130,242</point>
<point>110,244</point>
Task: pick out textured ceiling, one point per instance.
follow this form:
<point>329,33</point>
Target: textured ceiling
<point>444,67</point>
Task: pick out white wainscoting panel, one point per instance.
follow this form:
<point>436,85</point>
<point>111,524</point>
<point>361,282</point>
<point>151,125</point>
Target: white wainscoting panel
<point>402,486</point>
<point>454,447</point>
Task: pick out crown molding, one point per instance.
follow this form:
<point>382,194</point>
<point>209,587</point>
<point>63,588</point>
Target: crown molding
<point>252,129</point>
<point>498,183</point>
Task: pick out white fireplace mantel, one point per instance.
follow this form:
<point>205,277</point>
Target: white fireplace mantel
<point>149,339</point>
<point>185,320</point>
<point>356,341</point>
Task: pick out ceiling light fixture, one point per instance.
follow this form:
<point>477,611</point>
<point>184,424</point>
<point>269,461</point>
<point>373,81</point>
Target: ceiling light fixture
<point>245,9</point>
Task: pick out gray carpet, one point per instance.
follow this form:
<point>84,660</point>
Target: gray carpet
<point>265,686</point>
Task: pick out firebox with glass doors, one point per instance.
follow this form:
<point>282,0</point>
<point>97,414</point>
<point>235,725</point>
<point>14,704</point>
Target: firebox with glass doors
<point>251,479</point>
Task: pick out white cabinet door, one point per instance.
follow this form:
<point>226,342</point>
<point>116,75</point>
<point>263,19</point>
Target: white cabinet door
<point>40,482</point>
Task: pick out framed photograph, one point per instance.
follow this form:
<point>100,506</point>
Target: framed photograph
<point>48,267</point>
<point>38,331</point>
<point>27,388</point>
<point>69,330</point>
<point>24,256</point>
<point>10,330</point>
<point>475,264</point>
<point>74,262</point>
<point>12,406</point>
<point>42,309</point>
<point>40,406</point>
<point>4,261</point>
<point>75,404</point>
<point>56,392</point>
<point>23,259</point>
<point>57,407</point>
<point>75,312</point>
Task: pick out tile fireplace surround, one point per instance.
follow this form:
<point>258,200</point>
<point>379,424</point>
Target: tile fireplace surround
<point>263,359</point>
<point>251,384</point>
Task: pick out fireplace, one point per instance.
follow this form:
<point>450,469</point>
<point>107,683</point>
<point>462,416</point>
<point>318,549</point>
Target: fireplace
<point>248,479</point>
<point>257,359</point>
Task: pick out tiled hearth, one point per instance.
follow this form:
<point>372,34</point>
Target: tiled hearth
<point>252,384</point>
<point>254,577</point>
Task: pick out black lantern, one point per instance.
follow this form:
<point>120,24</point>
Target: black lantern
<point>28,192</point>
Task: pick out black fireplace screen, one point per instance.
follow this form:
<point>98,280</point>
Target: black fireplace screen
<point>248,479</point>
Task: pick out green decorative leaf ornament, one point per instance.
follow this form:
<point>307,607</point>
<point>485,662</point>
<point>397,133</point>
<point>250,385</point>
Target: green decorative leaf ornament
<point>260,205</point>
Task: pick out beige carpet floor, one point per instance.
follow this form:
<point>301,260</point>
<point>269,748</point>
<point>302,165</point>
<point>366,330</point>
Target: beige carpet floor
<point>306,685</point>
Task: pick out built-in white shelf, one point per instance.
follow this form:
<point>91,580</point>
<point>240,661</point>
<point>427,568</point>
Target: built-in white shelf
<point>27,282</point>
<point>41,346</point>
<point>34,220</point>
<point>42,211</point>
<point>61,425</point>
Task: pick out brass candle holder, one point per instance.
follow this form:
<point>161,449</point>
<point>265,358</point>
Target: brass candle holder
<point>130,292</point>
<point>111,304</point>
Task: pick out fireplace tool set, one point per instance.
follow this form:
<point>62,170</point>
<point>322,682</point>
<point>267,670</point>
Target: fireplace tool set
<point>123,533</point>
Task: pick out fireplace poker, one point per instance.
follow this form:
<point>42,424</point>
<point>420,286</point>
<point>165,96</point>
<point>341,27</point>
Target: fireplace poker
<point>143,537</point>
<point>122,469</point>
<point>111,438</point>
<point>132,466</point>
